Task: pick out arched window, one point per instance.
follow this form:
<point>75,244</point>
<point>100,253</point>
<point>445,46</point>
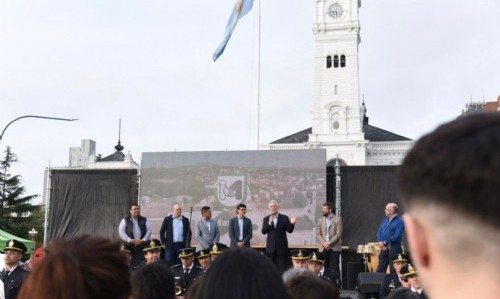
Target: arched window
<point>336,61</point>
<point>328,61</point>
<point>342,61</point>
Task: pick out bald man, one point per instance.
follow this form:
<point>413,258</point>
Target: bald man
<point>389,236</point>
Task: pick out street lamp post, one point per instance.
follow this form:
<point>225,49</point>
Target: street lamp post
<point>34,116</point>
<point>32,233</point>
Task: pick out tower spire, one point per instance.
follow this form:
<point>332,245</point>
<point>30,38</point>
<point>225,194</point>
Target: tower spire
<point>119,146</point>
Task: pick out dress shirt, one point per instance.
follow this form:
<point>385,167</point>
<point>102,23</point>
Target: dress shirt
<point>178,229</point>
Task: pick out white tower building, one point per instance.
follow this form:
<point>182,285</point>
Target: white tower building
<point>339,121</point>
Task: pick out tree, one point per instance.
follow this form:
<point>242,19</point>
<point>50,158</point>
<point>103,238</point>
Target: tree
<point>16,210</point>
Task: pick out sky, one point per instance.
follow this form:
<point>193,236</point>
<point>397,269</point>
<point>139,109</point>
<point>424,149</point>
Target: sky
<point>149,63</point>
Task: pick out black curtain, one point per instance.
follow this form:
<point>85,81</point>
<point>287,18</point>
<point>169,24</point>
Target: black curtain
<point>365,191</point>
<point>89,201</point>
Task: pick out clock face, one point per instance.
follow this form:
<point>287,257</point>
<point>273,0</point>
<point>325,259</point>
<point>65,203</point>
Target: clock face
<point>335,11</point>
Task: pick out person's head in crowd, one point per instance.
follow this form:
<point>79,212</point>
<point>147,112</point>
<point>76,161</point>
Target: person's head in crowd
<point>311,287</point>
<point>14,251</point>
<point>126,250</point>
<point>135,211</point>
<point>449,184</point>
<point>82,267</point>
<point>206,213</point>
<point>241,273</point>
<point>399,261</point>
<point>292,272</point>
<point>411,275</point>
<point>241,210</point>
<point>300,258</point>
<point>316,262</point>
<point>327,208</point>
<point>187,257</point>
<point>203,257</point>
<point>152,251</point>
<point>403,293</point>
<point>217,249</point>
<point>154,281</point>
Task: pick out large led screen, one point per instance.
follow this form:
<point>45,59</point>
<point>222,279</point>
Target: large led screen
<point>296,179</point>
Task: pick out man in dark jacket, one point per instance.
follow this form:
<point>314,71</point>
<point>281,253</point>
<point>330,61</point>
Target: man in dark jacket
<point>276,226</point>
<point>13,275</point>
<point>175,234</point>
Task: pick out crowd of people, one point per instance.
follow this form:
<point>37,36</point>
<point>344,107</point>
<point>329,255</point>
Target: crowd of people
<point>448,184</point>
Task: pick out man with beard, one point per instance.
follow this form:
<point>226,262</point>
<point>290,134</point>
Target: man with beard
<point>136,231</point>
<point>389,236</point>
<point>328,234</point>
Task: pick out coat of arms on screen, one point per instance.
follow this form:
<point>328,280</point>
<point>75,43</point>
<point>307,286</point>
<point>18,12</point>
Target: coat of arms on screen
<point>231,189</point>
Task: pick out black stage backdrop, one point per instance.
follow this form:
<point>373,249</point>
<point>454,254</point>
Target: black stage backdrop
<point>89,201</point>
<point>365,191</point>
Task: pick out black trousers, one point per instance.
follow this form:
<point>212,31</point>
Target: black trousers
<point>332,261</point>
<point>281,260</point>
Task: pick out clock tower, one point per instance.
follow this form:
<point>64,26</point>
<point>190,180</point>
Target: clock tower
<point>337,116</point>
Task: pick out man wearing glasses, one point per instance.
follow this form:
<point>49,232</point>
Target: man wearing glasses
<point>240,228</point>
<point>389,236</point>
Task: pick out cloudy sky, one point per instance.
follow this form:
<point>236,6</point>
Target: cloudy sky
<point>149,63</point>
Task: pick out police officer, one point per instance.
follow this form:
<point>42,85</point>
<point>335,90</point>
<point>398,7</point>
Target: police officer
<point>186,272</point>
<point>317,266</point>
<point>13,275</point>
<point>204,258</point>
<point>216,249</point>
<point>300,258</point>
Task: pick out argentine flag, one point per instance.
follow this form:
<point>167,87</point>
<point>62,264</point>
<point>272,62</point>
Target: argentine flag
<point>241,8</point>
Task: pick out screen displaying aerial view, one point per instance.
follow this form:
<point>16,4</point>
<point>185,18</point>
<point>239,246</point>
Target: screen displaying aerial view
<point>296,179</point>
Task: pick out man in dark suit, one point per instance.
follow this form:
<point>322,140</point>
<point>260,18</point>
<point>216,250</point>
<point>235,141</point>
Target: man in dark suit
<point>13,275</point>
<point>276,226</point>
<point>175,234</point>
<point>187,272</point>
<point>240,228</point>
<point>317,266</point>
<point>393,280</point>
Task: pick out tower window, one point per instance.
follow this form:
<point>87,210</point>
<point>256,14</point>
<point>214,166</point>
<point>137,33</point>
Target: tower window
<point>328,61</point>
<point>342,61</point>
<point>336,61</point>
<point>335,89</point>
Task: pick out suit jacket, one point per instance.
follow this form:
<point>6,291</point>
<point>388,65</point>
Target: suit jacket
<point>234,231</point>
<point>204,237</point>
<point>335,233</point>
<point>13,282</point>
<point>385,288</point>
<point>167,231</point>
<point>276,236</point>
<point>186,282</point>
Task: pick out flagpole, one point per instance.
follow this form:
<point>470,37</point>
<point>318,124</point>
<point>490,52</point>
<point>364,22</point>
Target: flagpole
<point>258,74</point>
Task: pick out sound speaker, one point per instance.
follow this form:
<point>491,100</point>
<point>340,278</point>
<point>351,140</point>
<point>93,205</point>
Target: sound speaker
<point>353,269</point>
<point>369,283</point>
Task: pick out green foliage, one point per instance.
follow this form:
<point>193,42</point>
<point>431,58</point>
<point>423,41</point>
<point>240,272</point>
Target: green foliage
<point>16,210</point>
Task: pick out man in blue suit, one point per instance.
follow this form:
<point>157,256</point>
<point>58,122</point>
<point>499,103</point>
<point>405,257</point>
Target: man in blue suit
<point>240,228</point>
<point>276,226</point>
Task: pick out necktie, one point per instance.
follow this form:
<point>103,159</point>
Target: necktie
<point>7,273</point>
<point>186,272</point>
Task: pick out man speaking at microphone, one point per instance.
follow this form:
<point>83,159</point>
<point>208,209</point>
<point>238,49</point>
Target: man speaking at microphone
<point>389,236</point>
<point>276,226</point>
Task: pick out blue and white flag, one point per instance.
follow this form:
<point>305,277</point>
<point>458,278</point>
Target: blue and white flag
<point>241,8</point>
